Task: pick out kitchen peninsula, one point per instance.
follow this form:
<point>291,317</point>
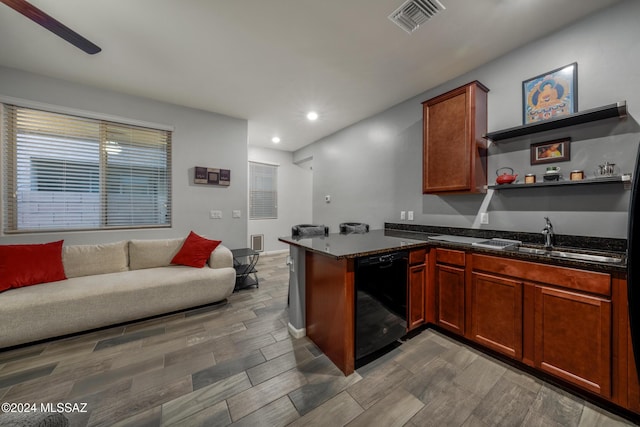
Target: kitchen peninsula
<point>323,286</point>
<point>561,313</point>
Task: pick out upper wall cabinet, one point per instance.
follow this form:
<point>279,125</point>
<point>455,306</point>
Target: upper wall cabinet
<point>454,150</point>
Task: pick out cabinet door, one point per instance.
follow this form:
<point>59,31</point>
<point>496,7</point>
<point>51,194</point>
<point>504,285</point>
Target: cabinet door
<point>573,338</point>
<point>454,153</point>
<point>417,282</point>
<point>446,145</point>
<point>450,298</point>
<point>496,313</point>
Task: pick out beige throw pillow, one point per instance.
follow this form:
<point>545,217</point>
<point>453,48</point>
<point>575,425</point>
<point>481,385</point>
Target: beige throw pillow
<point>87,260</point>
<point>152,253</point>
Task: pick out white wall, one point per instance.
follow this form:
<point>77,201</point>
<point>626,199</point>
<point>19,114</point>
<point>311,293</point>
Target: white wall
<point>373,169</point>
<point>294,197</point>
<point>200,138</point>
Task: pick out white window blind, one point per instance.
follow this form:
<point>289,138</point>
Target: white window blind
<point>64,172</point>
<point>263,191</point>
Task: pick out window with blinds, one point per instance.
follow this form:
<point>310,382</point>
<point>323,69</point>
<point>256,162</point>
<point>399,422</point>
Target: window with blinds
<point>263,191</point>
<point>63,172</point>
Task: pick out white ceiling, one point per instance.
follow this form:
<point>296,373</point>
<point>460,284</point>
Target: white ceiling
<point>270,61</point>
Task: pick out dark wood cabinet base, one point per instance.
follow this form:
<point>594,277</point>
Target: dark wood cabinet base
<point>330,307</point>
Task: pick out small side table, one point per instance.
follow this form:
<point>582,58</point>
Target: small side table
<point>244,262</point>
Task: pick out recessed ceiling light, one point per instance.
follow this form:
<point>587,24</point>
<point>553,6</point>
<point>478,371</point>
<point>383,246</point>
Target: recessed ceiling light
<point>275,139</point>
<point>312,115</point>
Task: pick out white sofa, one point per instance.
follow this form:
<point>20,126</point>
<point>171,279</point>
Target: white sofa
<point>112,283</point>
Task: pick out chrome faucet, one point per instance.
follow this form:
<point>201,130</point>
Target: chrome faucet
<point>547,232</point>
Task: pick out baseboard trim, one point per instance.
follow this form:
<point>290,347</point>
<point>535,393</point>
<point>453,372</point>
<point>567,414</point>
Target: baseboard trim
<point>276,252</point>
<point>295,332</point>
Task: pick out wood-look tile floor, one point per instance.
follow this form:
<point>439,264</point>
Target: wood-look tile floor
<point>235,364</point>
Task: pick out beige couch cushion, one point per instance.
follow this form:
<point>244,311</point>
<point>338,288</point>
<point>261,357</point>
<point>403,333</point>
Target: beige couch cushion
<point>57,308</point>
<point>87,260</point>
<point>153,253</point>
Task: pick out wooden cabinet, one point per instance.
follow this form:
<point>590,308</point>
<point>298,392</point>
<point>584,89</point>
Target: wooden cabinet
<point>496,313</point>
<point>330,308</point>
<point>558,319</point>
<point>573,338</point>
<point>417,288</point>
<point>450,290</point>
<point>454,150</point>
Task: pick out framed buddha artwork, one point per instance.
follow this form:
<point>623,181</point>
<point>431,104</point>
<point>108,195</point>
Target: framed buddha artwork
<point>550,95</point>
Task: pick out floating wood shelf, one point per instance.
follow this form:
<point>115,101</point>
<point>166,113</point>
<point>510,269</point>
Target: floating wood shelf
<point>603,180</point>
<point>619,109</point>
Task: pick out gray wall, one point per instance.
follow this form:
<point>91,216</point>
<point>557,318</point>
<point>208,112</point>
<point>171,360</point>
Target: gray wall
<point>294,197</point>
<point>200,139</point>
<point>373,169</point>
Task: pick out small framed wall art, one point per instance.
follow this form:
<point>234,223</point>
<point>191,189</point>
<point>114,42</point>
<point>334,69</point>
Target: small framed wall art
<point>550,151</point>
<point>212,176</point>
<point>550,95</point>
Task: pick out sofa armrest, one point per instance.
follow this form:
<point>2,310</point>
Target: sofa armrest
<point>221,257</point>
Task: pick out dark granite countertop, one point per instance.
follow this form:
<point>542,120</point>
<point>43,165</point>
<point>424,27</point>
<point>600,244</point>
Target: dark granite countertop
<point>591,245</point>
<point>356,245</point>
<point>395,237</point>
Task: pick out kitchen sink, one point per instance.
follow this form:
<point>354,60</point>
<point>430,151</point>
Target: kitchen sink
<point>586,257</point>
<point>580,256</point>
<point>533,250</point>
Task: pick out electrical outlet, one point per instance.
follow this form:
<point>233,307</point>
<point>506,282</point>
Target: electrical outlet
<point>327,198</point>
<point>484,218</point>
<point>236,214</point>
<point>214,214</point>
<point>403,215</point>
<point>410,215</point>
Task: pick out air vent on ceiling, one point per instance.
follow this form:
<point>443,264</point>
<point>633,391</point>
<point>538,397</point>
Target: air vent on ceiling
<point>413,13</point>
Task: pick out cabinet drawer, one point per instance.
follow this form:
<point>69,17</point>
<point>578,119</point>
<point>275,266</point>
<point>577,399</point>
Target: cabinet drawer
<point>566,277</point>
<point>449,256</point>
<point>417,256</point>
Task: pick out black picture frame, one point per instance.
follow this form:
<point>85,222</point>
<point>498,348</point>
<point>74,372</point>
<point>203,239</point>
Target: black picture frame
<point>550,95</point>
<point>212,176</point>
<point>558,150</point>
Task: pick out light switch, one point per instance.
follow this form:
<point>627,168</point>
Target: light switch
<point>214,214</point>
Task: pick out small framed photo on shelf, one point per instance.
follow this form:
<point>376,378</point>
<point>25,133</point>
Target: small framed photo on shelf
<point>550,151</point>
<point>550,95</point>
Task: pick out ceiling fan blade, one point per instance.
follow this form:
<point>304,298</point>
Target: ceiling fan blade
<point>53,25</point>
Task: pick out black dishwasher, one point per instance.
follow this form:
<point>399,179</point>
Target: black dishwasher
<point>381,301</point>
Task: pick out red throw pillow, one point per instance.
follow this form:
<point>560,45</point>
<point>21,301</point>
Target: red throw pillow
<point>195,251</point>
<point>26,265</point>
